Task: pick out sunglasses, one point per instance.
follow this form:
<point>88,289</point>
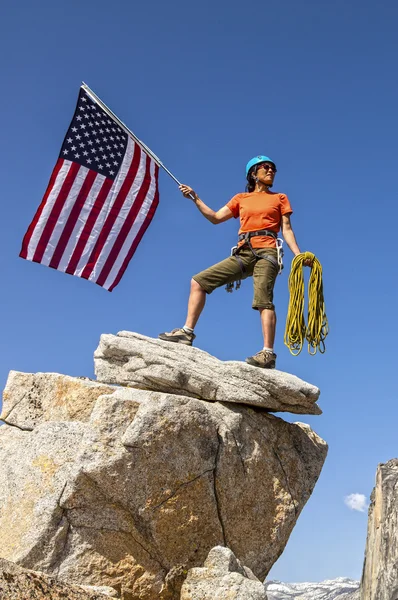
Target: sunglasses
<point>267,167</point>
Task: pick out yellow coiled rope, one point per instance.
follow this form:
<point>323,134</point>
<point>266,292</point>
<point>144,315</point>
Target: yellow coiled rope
<point>317,329</point>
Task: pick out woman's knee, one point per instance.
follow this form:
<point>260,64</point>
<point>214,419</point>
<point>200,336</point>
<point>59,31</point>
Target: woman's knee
<point>195,286</point>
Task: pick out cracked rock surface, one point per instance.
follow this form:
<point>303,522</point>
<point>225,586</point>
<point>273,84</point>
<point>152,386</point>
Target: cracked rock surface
<point>135,360</point>
<point>380,570</point>
<point>221,577</point>
<point>135,487</point>
<point>32,398</point>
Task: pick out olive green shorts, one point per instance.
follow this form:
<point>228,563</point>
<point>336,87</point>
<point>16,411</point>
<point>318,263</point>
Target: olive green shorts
<point>264,274</point>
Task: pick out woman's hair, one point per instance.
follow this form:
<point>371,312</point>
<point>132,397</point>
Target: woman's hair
<point>251,184</point>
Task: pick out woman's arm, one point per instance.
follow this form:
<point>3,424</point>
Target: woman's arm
<point>214,217</point>
<point>290,238</point>
<point>288,234</point>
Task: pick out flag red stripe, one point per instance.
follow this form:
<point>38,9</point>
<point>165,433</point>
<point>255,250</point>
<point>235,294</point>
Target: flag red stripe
<point>32,226</point>
<point>114,212</point>
<point>139,235</point>
<point>88,227</point>
<point>72,219</point>
<point>127,225</point>
<point>56,211</point>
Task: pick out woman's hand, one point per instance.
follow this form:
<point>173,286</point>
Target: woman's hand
<point>308,262</point>
<point>214,217</point>
<point>188,192</point>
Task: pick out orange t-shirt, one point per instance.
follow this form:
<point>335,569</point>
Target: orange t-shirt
<point>260,210</point>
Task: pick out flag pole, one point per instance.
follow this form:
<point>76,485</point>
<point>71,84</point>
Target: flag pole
<point>157,160</point>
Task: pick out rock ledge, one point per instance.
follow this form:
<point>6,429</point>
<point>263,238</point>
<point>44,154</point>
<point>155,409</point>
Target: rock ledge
<point>134,360</point>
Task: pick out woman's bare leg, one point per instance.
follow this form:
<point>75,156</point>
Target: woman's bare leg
<point>196,303</point>
<point>268,323</point>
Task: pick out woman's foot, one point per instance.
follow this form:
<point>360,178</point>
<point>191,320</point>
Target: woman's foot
<point>179,336</point>
<point>264,359</point>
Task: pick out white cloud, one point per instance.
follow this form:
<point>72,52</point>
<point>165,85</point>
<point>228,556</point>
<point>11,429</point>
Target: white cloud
<point>356,502</point>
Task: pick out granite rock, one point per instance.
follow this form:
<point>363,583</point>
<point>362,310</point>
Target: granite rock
<point>380,570</point>
<point>138,493</point>
<point>222,577</point>
<point>32,398</point>
<point>131,487</point>
<point>134,360</point>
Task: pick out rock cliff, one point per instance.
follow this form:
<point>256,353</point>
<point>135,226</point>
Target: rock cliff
<point>131,488</point>
<point>380,571</point>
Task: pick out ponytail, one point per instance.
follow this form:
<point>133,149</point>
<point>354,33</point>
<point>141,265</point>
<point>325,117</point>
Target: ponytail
<point>251,184</point>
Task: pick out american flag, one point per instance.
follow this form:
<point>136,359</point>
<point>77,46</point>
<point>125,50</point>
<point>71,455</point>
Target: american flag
<point>102,195</point>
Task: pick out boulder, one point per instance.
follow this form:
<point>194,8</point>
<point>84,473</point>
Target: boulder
<point>134,360</point>
<point>130,488</point>
<point>142,491</point>
<point>380,571</point>
<point>222,577</point>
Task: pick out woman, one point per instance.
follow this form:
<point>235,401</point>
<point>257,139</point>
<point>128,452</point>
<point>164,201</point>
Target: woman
<point>262,213</point>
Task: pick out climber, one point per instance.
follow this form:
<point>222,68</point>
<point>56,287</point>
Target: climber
<point>262,214</point>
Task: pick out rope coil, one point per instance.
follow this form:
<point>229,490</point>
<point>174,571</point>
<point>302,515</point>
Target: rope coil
<point>296,330</point>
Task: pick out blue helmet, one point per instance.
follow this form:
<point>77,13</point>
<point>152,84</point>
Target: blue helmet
<point>256,161</point>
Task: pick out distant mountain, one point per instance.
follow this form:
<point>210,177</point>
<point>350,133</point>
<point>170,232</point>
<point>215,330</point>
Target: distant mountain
<point>341,588</point>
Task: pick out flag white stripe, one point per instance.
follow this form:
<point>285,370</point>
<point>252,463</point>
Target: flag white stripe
<point>63,217</point>
<point>123,213</point>
<point>42,222</point>
<point>134,230</point>
<point>81,222</point>
<point>108,204</point>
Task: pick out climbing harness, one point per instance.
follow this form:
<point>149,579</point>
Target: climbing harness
<point>317,329</point>
<point>246,238</point>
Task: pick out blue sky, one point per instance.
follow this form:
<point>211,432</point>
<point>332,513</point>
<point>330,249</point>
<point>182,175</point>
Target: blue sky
<point>207,86</point>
